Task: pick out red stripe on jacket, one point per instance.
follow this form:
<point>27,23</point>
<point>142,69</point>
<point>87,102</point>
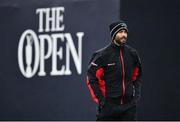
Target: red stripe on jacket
<point>101,82</point>
<point>135,73</point>
<point>92,92</point>
<point>99,75</point>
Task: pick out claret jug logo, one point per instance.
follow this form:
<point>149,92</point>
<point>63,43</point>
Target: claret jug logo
<point>32,51</point>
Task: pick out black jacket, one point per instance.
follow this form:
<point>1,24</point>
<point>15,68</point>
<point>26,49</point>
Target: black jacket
<point>115,71</point>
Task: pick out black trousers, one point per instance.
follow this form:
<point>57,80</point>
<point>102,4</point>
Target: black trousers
<point>113,110</point>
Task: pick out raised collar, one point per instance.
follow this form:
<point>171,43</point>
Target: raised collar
<point>117,46</point>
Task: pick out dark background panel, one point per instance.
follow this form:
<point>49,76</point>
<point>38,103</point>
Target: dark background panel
<point>154,32</point>
<point>51,97</point>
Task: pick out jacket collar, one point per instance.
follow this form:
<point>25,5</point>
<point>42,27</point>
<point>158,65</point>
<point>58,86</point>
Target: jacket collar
<point>117,46</point>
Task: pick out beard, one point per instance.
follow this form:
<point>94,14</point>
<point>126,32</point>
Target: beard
<point>121,41</point>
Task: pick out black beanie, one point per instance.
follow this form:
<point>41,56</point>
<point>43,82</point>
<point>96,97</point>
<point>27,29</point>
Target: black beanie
<point>115,27</point>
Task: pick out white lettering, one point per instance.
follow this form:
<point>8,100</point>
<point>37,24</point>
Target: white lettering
<point>53,19</point>
<point>35,50</point>
<point>40,12</point>
<point>42,52</point>
<point>56,53</point>
<point>32,39</point>
<point>70,46</point>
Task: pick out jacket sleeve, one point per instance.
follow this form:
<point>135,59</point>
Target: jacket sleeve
<point>92,80</point>
<point>137,77</point>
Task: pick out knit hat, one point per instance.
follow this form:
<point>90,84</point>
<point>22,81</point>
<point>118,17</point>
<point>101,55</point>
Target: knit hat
<point>116,27</point>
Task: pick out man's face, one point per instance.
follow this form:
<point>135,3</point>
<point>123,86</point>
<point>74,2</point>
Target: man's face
<point>121,37</point>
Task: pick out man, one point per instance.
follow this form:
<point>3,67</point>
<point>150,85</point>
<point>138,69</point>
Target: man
<point>114,77</point>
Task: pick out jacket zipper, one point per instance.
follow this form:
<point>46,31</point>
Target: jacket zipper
<point>123,76</point>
